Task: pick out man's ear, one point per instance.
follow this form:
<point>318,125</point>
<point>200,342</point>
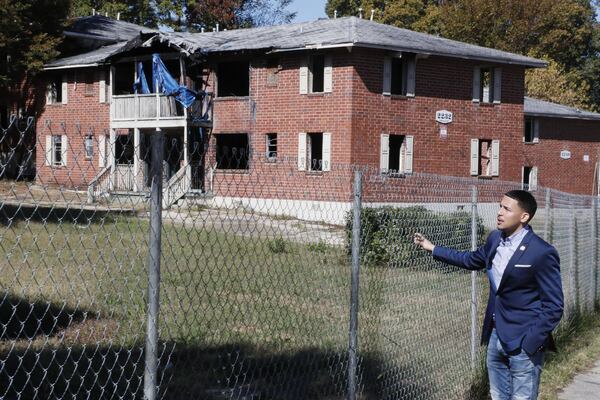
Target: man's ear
<point>524,217</point>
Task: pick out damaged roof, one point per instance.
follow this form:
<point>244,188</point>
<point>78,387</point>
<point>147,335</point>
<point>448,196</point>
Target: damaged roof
<point>323,33</point>
<point>540,108</point>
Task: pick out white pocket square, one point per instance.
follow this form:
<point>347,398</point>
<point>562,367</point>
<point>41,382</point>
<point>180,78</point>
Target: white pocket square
<point>522,265</point>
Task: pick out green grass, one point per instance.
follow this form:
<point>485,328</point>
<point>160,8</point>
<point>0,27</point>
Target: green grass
<point>259,307</point>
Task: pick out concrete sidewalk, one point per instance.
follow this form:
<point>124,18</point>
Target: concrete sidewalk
<point>585,386</point>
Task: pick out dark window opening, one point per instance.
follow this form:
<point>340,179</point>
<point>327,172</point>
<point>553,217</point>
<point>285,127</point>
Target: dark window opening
<point>271,146</point>
<point>89,147</point>
<point>396,157</point>
<point>485,158</point>
<point>57,149</point>
<point>399,76</point>
<point>526,177</point>
<point>315,149</point>
<point>317,74</point>
<point>233,79</point>
<point>232,151</point>
<point>55,89</point>
<point>486,85</point>
<point>124,149</point>
<point>124,78</point>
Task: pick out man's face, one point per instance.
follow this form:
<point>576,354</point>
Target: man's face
<point>510,216</point>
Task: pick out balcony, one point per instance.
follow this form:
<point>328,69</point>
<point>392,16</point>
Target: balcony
<point>158,110</point>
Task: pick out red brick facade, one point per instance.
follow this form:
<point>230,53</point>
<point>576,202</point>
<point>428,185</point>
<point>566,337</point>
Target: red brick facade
<point>356,114</point>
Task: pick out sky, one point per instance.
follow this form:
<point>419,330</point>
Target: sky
<point>308,10</point>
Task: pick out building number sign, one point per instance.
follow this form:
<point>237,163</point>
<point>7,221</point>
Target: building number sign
<point>565,154</point>
<point>443,116</point>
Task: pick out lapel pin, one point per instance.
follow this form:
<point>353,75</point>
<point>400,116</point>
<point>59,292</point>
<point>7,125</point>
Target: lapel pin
<point>522,248</point>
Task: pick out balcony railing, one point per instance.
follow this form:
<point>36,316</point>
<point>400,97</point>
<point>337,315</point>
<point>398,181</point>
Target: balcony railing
<point>146,106</point>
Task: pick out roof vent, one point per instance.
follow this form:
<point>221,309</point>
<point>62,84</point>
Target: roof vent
<point>360,10</point>
<point>372,13</point>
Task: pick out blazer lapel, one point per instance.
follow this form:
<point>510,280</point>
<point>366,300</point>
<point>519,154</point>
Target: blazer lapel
<point>523,246</point>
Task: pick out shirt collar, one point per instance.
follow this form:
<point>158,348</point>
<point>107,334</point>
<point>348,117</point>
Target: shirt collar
<point>519,234</point>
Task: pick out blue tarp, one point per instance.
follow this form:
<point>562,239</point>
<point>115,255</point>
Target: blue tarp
<point>168,85</point>
<point>141,84</point>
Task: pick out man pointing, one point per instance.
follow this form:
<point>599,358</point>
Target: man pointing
<point>526,298</point>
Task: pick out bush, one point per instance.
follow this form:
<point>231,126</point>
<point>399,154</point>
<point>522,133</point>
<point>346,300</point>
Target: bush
<point>387,234</point>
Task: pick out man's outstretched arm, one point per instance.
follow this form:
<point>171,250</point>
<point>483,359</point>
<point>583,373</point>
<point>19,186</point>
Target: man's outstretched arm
<point>471,260</point>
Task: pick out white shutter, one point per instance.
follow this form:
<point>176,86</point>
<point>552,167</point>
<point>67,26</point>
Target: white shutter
<point>475,157</point>
<point>102,87</point>
<point>497,85</point>
<point>495,158</point>
<point>304,76</point>
<point>476,83</point>
<point>302,151</point>
<point>328,75</point>
<point>384,153</point>
<point>65,89</point>
<point>408,155</point>
<point>387,75</point>
<point>536,130</point>
<point>326,152</point>
<point>48,160</point>
<point>101,151</point>
<point>411,64</point>
<point>533,180</point>
<point>64,149</point>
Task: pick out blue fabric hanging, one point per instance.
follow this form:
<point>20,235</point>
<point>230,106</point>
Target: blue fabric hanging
<point>168,85</point>
<point>141,84</point>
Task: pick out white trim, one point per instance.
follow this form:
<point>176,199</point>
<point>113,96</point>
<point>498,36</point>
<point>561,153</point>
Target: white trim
<point>384,153</point>
<point>408,143</point>
<point>328,75</point>
<point>495,161</point>
<point>475,157</point>
<point>302,151</point>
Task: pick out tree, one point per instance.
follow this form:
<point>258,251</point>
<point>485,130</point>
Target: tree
<point>141,12</point>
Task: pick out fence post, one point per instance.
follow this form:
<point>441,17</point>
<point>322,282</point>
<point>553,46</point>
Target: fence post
<point>594,252</point>
<point>474,216</point>
<point>156,173</point>
<point>573,273</point>
<point>353,339</point>
<point>547,233</point>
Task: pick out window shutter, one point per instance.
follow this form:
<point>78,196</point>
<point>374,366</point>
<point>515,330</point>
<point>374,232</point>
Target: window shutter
<point>302,151</point>
<point>387,75</point>
<point>408,155</point>
<point>384,153</point>
<point>304,76</point>
<point>48,160</point>
<point>65,89</point>
<point>533,179</point>
<point>326,152</point>
<point>328,75</point>
<point>536,130</point>
<point>64,149</point>
<point>475,157</point>
<point>495,157</point>
<point>102,87</point>
<point>101,151</point>
<point>476,83</point>
<point>411,65</point>
<point>497,85</point>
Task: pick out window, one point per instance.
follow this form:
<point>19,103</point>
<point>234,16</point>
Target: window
<point>56,90</point>
<point>314,151</point>
<point>485,160</point>
<point>89,147</point>
<point>124,149</point>
<point>271,146</point>
<point>56,150</point>
<point>233,79</point>
<point>273,68</point>
<point>532,130</point>
<point>89,83</point>
<point>232,151</point>
<point>316,74</point>
<point>529,178</point>
<point>396,154</point>
<point>487,84</point>
<point>399,75</point>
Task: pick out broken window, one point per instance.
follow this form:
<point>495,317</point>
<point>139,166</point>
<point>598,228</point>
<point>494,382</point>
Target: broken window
<point>57,150</point>
<point>485,157</point>
<point>486,89</point>
<point>529,178</point>
<point>233,79</point>
<point>89,147</point>
<point>232,151</point>
<point>55,89</point>
<point>271,146</point>
<point>396,154</point>
<point>531,134</point>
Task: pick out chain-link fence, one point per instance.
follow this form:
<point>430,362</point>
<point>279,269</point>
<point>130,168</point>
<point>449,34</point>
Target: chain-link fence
<point>143,272</point>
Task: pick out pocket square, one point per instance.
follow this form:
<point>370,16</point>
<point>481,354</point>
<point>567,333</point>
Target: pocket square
<point>522,265</point>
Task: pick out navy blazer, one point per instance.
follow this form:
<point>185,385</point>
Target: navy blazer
<point>529,301</point>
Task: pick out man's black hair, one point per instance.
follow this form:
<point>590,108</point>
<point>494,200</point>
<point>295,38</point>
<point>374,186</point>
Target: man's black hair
<point>526,201</point>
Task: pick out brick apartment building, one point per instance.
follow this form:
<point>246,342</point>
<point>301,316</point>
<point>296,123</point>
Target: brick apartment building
<point>324,94</point>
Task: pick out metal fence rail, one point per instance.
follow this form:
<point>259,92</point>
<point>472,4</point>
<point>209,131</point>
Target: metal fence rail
<point>269,283</point>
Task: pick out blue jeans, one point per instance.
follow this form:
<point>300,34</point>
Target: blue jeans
<point>513,376</point>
